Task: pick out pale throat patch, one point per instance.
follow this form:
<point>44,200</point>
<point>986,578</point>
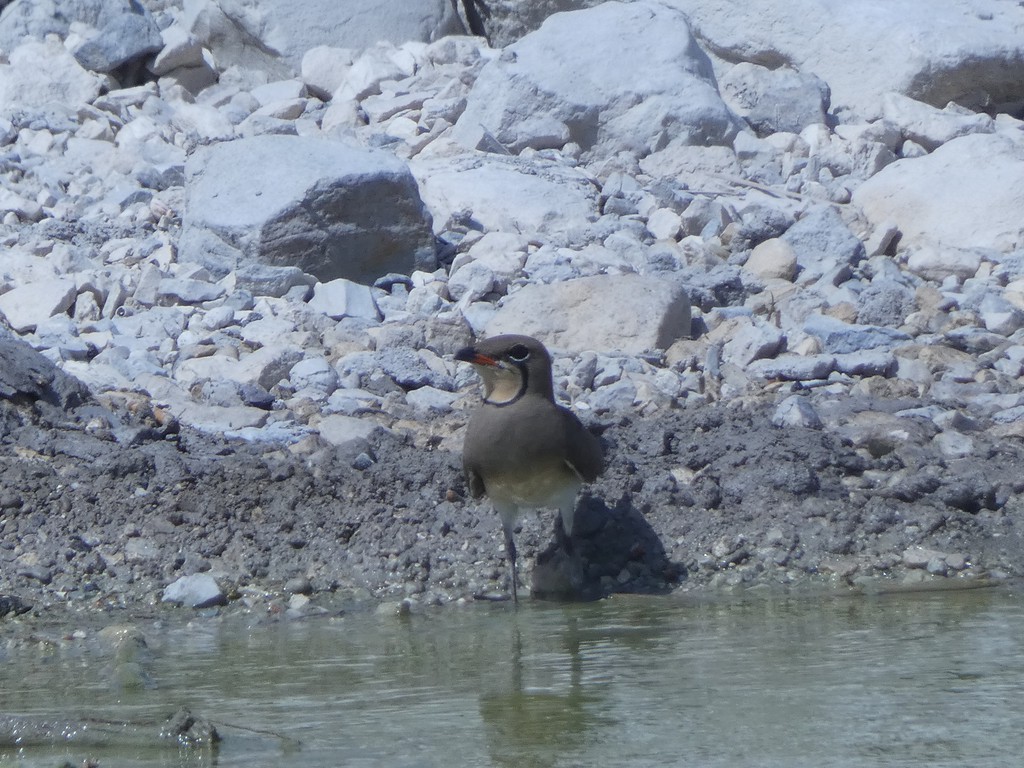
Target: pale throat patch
<point>501,384</point>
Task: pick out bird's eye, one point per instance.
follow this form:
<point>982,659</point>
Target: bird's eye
<point>518,353</point>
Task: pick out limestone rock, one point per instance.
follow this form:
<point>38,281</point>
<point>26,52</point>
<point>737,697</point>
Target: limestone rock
<point>566,83</point>
<point>931,127</point>
<point>775,100</point>
<point>936,51</point>
<point>344,298</point>
<point>43,72</point>
<point>839,337</point>
<point>330,209</point>
<point>967,194</point>
<point>200,590</point>
<point>273,35</point>
<point>125,32</point>
<point>29,305</point>
<point>628,313</point>
<point>773,259</point>
<point>506,194</point>
<point>822,242</point>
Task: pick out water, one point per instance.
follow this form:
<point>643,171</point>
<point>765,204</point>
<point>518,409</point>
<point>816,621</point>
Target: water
<point>911,680</point>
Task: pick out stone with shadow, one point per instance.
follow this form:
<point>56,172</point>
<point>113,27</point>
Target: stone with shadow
<point>612,549</point>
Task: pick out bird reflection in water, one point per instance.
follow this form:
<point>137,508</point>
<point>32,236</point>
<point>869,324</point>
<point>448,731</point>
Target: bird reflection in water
<point>548,710</point>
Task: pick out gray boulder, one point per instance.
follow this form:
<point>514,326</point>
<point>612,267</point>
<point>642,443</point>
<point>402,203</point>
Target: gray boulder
<point>822,242</point>
<point>567,82</point>
<point>273,35</point>
<point>27,376</point>
<point>116,32</point>
<point>330,209</point>
<point>937,51</point>
<point>774,100</point>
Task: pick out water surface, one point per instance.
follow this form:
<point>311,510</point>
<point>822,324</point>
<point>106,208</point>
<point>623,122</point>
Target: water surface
<point>909,680</point>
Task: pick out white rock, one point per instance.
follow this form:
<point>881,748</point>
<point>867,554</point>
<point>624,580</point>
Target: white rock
<point>315,375</point>
<point>567,82</point>
<point>181,49</point>
<point>218,317</point>
<point>773,259</point>
<point>796,411</point>
<point>431,399</point>
<point>43,72</point>
<point>324,68</point>
<point>967,194</point>
<point>279,90</point>
<point>933,50</point>
<point>344,298</point>
<point>628,313</point>
<point>29,305</point>
<point>199,590</point>
<point>931,127</point>
<point>935,262</point>
<point>664,224</point>
<point>505,194</point>
<point>471,282</point>
<point>347,431</point>
<point>752,340</point>
<point>216,419</point>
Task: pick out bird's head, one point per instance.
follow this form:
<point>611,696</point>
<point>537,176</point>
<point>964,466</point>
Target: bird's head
<point>510,367</point>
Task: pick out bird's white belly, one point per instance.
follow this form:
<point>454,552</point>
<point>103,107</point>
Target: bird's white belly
<point>555,487</point>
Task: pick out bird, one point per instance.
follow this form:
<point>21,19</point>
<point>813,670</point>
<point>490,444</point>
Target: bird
<point>523,450</point>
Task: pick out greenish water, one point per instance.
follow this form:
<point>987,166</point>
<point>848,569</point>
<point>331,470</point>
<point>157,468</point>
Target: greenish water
<point>911,680</point>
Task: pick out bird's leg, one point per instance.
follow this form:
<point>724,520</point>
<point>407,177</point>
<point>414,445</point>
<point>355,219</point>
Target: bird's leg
<point>510,553</point>
<point>564,539</point>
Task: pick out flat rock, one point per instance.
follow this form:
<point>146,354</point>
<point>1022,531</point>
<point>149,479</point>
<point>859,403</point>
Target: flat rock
<point>839,338</point>
<point>566,83</point>
<point>30,304</point>
<point>627,313</point>
<point>506,194</point>
<point>347,431</point>
<point>344,298</point>
<point>330,209</point>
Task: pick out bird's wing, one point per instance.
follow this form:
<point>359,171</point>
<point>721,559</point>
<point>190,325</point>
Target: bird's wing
<point>475,482</point>
<point>584,452</point>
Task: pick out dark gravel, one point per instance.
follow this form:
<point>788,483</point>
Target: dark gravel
<point>103,505</point>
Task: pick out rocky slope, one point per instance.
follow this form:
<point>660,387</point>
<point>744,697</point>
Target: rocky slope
<point>791,300</point>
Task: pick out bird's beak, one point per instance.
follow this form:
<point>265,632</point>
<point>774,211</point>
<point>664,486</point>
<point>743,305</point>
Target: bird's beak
<point>470,355</point>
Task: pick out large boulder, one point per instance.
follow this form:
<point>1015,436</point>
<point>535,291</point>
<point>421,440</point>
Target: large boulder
<point>43,73</point>
<point>967,194</point>
<point>627,313</point>
<point>26,376</point>
<point>112,32</point>
<point>936,51</point>
<point>569,82</point>
<point>330,209</point>
<point>273,35</point>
